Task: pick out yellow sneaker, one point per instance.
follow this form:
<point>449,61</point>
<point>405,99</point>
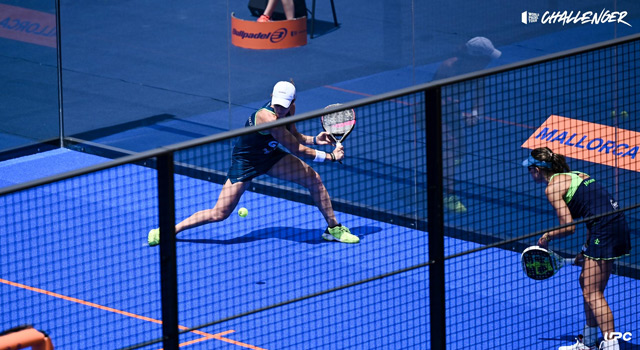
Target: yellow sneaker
<point>341,234</point>
<point>452,203</point>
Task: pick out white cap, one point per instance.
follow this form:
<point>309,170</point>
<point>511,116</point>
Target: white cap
<point>283,93</point>
<point>481,46</point>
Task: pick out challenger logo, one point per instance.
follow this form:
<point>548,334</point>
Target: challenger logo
<point>575,17</point>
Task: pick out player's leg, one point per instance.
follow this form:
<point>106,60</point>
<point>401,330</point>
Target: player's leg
<point>590,330</point>
<point>451,153</point>
<point>291,168</point>
<point>289,9</point>
<point>593,280</point>
<point>227,202</point>
<point>268,11</point>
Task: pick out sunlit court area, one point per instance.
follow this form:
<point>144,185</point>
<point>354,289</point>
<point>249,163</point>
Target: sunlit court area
<point>320,175</point>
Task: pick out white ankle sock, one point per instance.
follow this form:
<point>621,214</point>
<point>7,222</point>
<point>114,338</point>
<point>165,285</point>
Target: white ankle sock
<point>590,335</point>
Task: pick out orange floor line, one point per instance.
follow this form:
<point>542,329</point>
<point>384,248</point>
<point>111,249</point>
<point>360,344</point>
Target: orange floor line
<point>364,94</point>
<point>219,336</point>
<point>349,91</point>
<point>361,94</point>
<point>510,123</point>
<point>206,336</point>
<point>75,300</point>
<point>401,102</point>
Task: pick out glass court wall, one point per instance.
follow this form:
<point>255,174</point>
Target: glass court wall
<point>429,271</point>
<point>136,75</point>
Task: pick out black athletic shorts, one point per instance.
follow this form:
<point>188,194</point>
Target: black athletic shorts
<point>244,170</point>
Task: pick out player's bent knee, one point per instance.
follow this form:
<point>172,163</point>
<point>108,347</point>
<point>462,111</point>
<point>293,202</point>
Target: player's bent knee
<point>315,180</point>
<point>592,295</point>
<point>215,215</point>
<point>311,180</point>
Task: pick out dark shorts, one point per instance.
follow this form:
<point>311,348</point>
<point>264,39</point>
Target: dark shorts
<point>245,170</point>
<point>613,244</point>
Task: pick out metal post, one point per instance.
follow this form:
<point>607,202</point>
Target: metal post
<point>435,219</point>
<point>168,264</point>
<point>313,16</point>
<point>59,70</point>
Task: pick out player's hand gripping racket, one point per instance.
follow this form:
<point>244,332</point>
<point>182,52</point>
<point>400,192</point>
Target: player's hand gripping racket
<point>540,263</point>
<point>339,124</point>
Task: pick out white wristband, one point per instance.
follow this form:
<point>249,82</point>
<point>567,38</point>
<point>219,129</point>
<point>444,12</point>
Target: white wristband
<point>320,156</point>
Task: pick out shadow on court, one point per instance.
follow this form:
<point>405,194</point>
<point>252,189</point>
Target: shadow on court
<point>322,27</point>
<point>309,236</point>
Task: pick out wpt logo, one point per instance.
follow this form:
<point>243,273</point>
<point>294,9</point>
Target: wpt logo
<point>530,17</point>
<point>626,336</point>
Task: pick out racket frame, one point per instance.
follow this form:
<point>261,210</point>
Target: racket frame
<point>344,136</point>
<point>534,258</point>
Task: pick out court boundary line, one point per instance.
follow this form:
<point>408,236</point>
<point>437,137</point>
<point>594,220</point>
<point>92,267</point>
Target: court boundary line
<point>400,271</point>
<point>438,84</point>
<point>342,205</point>
<point>205,336</point>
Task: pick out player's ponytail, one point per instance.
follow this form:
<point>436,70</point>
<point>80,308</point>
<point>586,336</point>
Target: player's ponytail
<point>557,161</point>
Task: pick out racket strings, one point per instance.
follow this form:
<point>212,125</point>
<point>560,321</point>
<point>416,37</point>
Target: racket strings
<point>339,123</point>
<point>539,265</point>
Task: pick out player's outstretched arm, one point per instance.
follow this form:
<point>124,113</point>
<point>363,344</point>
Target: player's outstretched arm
<point>293,144</point>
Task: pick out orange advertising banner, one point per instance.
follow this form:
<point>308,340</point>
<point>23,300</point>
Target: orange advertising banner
<point>587,141</point>
<point>268,35</point>
<point>30,26</point>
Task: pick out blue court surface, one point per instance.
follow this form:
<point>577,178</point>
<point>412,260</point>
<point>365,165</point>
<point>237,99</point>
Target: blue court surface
<point>75,260</point>
<point>81,258</point>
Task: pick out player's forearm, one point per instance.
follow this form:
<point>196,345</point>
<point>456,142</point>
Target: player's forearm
<point>304,152</point>
<point>304,139</point>
<point>295,143</point>
<point>559,233</point>
<point>308,140</point>
<point>314,154</point>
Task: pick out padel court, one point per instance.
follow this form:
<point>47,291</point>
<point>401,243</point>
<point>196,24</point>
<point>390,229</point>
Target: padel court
<point>76,263</point>
<point>96,274</point>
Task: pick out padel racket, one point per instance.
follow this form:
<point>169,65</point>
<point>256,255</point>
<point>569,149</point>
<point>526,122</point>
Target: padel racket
<point>339,124</point>
<point>539,263</point>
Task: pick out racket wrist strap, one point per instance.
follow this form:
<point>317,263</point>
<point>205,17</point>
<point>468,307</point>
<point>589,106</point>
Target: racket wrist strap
<point>315,141</point>
<point>333,157</point>
<point>320,156</point>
